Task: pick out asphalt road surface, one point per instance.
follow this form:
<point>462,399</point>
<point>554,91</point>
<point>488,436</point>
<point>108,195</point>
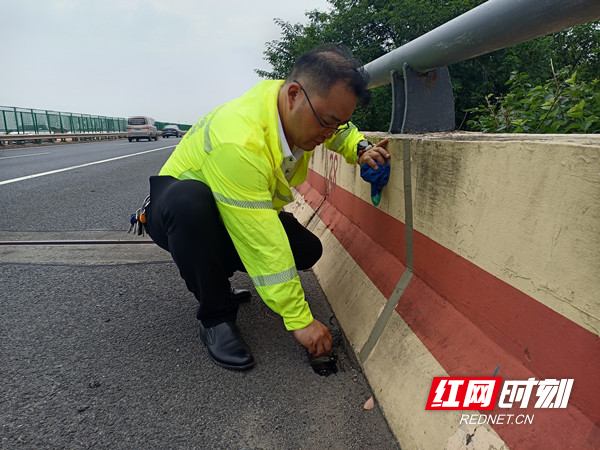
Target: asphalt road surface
<point>99,345</point>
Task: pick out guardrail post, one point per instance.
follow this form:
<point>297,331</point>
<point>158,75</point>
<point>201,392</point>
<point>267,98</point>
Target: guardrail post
<point>19,115</point>
<point>422,102</point>
<point>62,130</point>
<point>35,122</point>
<point>36,129</point>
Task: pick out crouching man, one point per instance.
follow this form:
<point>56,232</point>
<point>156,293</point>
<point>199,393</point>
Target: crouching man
<point>216,205</point>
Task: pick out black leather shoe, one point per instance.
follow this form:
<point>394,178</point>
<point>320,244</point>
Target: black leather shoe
<point>240,295</point>
<point>226,347</point>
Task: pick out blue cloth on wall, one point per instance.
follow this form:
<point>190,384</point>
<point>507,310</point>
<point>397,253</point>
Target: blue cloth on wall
<point>378,179</point>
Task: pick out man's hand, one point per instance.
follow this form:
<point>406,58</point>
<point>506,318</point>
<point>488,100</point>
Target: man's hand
<point>315,337</point>
<point>377,153</point>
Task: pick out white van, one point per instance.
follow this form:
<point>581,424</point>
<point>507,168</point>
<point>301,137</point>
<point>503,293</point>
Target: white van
<point>141,127</point>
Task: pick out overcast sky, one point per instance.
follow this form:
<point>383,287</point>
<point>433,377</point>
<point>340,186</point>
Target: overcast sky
<point>173,60</point>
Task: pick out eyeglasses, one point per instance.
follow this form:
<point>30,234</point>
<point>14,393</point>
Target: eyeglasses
<point>327,129</point>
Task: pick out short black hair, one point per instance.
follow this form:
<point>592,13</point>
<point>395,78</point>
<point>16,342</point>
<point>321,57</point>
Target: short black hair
<point>328,64</point>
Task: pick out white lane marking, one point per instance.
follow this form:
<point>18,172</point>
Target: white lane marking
<point>23,156</point>
<point>35,175</point>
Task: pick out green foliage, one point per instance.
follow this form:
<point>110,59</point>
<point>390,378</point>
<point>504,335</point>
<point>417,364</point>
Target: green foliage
<point>372,28</point>
<point>560,105</point>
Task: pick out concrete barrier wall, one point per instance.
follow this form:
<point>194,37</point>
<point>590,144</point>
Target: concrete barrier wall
<point>483,258</point>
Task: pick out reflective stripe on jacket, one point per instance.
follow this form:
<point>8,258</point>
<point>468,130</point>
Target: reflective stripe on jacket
<point>236,150</point>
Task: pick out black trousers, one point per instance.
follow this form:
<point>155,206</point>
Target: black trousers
<point>183,219</point>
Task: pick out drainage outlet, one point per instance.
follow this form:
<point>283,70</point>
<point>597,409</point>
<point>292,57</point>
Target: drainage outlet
<point>324,365</point>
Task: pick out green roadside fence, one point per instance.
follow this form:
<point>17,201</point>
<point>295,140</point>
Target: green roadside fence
<point>16,120</point>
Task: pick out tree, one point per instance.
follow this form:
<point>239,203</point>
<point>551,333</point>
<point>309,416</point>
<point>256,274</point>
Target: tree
<point>372,28</point>
<point>562,104</point>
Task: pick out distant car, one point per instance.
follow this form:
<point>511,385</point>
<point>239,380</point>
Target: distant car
<point>171,130</point>
<point>141,127</point>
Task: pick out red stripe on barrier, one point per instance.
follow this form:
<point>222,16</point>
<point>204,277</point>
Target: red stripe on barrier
<point>367,243</point>
<point>479,323</point>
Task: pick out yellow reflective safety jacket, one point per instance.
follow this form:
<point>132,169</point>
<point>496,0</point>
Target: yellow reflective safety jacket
<point>236,150</point>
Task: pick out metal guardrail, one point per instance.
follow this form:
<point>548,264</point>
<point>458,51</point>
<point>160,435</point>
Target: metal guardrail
<point>494,25</point>
<point>491,26</point>
<point>58,137</point>
<point>7,139</point>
